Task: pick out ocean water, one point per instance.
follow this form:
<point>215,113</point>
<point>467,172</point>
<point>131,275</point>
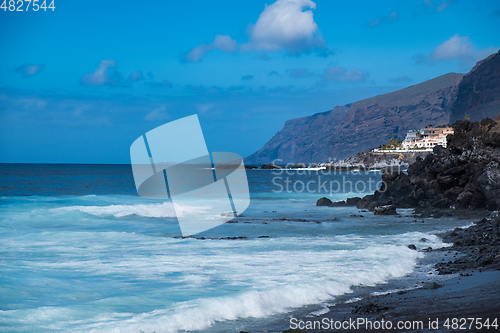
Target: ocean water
<point>81,251</point>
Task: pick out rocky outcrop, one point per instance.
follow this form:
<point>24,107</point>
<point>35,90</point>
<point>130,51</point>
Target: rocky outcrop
<point>385,210</point>
<point>376,161</point>
<point>271,166</point>
<point>350,202</point>
<point>466,175</point>
<point>480,243</point>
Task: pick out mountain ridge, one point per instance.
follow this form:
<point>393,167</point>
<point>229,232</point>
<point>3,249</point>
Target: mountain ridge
<point>356,127</point>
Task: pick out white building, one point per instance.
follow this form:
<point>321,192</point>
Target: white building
<point>411,136</point>
<point>429,138</point>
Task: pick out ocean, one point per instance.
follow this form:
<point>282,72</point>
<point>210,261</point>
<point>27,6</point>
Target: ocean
<point>81,251</point>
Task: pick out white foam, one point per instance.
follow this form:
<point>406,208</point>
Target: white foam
<point>352,300</point>
<point>165,209</point>
<point>279,288</point>
<point>392,291</point>
<point>319,312</point>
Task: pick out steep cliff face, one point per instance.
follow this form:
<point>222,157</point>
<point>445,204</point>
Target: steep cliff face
<point>347,130</point>
<point>358,127</point>
<point>479,91</point>
<point>302,140</point>
<point>372,122</point>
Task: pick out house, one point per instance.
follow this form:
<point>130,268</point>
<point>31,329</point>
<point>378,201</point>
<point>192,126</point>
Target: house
<point>428,139</point>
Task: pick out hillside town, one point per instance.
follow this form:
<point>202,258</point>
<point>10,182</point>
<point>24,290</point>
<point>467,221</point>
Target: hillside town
<point>422,140</point>
<point>426,138</point>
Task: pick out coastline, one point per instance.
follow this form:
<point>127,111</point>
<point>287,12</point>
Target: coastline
<point>462,286</point>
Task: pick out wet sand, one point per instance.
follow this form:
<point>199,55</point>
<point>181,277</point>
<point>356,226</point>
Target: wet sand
<point>465,285</point>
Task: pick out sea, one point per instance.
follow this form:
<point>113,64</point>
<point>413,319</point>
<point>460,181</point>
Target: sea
<point>80,251</point>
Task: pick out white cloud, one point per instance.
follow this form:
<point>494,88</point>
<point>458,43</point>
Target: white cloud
<point>222,42</point>
<point>284,25</point>
<point>288,25</point>
<point>340,74</point>
<point>456,48</point>
<point>101,75</point>
<point>29,70</point>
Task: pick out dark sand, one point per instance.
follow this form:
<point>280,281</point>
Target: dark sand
<point>475,296</point>
<point>472,290</point>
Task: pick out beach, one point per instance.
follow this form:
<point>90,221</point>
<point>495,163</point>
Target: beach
<point>465,300</point>
<point>82,252</point>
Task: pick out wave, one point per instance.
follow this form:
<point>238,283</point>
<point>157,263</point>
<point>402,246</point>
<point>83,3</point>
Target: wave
<point>200,314</point>
<point>165,209</point>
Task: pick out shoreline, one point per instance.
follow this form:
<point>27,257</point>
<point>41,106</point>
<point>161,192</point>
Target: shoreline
<point>465,284</point>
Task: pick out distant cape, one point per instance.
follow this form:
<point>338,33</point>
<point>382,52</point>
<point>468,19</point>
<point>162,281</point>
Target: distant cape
<point>357,127</point>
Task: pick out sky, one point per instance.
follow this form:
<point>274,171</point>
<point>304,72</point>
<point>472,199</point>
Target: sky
<point>78,84</point>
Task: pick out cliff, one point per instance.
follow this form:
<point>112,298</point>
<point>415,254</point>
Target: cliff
<point>479,91</point>
<point>377,161</point>
<point>372,122</point>
<point>302,140</point>
<point>358,127</point>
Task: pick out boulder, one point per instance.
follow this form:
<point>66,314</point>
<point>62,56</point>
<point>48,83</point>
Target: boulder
<point>324,202</point>
<point>352,201</point>
<point>385,210</point>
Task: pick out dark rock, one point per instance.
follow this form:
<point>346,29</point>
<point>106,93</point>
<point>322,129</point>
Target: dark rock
<point>436,286</point>
<point>385,210</point>
<point>324,202</point>
<point>298,166</point>
<point>365,201</point>
<point>445,271</point>
<point>465,176</point>
<point>438,150</point>
<point>327,202</point>
<point>369,307</point>
<point>352,201</point>
<point>271,166</point>
<point>338,204</point>
<point>412,247</point>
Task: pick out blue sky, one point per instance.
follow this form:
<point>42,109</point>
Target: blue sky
<point>79,84</point>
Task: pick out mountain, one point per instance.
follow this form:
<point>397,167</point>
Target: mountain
<point>352,128</point>
<point>360,126</point>
<point>479,91</point>
<point>301,139</point>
